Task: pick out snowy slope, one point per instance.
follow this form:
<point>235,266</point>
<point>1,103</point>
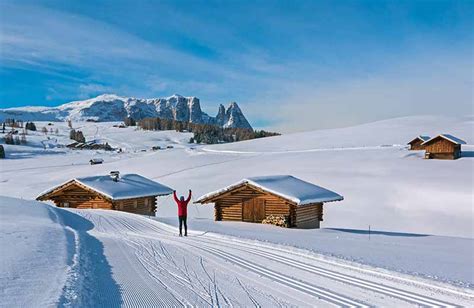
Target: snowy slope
<point>35,249</point>
<point>121,259</point>
<point>110,107</point>
<point>384,185</point>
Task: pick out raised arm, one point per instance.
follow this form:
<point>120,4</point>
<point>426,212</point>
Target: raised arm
<point>189,196</point>
<point>175,197</point>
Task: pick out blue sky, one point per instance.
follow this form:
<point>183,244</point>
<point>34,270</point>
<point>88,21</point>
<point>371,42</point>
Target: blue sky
<point>291,65</point>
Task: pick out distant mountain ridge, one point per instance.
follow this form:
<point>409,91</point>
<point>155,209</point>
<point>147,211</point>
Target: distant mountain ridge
<point>110,107</point>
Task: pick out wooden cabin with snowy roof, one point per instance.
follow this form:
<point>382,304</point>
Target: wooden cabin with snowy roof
<point>415,144</point>
<point>129,193</point>
<point>255,199</point>
<point>443,146</point>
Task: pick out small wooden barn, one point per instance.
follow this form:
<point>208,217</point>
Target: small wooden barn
<point>254,199</point>
<point>415,144</point>
<point>129,193</point>
<point>443,146</point>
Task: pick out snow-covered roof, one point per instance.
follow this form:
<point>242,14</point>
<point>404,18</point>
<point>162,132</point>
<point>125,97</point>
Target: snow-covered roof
<point>422,138</point>
<point>448,137</point>
<point>286,186</point>
<point>127,186</point>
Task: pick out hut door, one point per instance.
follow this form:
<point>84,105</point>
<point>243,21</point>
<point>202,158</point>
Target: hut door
<point>253,210</point>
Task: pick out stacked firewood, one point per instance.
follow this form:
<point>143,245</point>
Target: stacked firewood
<point>276,220</point>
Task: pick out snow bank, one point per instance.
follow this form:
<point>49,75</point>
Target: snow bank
<point>34,254</point>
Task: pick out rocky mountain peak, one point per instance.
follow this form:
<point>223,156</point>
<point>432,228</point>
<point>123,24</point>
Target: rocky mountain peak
<point>111,107</point>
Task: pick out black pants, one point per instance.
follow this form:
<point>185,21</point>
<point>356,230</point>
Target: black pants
<point>182,219</point>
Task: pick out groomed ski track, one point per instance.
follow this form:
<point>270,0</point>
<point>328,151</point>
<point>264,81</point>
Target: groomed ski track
<point>153,267</point>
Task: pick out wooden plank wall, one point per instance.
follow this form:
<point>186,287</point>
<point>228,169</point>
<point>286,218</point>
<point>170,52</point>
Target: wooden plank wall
<point>80,198</point>
<point>309,215</point>
<point>143,206</point>
<point>229,207</point>
<point>440,146</point>
<point>443,149</point>
<point>416,145</point>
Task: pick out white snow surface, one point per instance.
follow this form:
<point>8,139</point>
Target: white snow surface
<point>286,186</point>
<point>127,186</point>
<point>117,259</point>
<point>34,254</point>
<point>420,213</point>
<point>384,185</point>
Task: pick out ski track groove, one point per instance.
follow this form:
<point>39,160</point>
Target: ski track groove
<point>287,281</point>
<point>390,291</point>
<point>154,257</point>
<point>380,288</point>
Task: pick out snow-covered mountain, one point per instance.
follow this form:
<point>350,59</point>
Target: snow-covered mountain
<point>109,107</point>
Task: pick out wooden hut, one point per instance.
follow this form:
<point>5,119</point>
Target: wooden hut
<point>443,146</point>
<point>415,144</point>
<point>129,193</point>
<point>254,199</point>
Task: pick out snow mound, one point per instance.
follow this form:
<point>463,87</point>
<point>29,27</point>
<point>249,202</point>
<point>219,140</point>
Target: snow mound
<point>34,254</point>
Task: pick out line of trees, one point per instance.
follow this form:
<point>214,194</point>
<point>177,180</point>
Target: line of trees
<point>15,139</point>
<point>204,133</point>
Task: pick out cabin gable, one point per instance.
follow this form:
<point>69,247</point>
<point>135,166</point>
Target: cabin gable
<point>442,149</point>
<point>416,144</point>
<point>74,195</point>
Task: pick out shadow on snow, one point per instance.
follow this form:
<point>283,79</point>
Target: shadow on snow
<point>90,282</point>
<point>467,154</point>
<point>374,232</point>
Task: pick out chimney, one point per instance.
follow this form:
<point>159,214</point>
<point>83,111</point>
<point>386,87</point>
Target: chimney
<point>115,175</point>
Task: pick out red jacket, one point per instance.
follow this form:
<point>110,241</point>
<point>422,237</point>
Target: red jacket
<point>182,205</point>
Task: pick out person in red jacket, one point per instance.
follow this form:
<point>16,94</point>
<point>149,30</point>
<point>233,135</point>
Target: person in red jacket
<point>182,211</point>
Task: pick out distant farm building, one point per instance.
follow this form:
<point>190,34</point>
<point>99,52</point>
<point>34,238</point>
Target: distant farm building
<point>443,146</point>
<point>91,145</point>
<point>129,193</point>
<point>415,144</point>
<point>254,199</point>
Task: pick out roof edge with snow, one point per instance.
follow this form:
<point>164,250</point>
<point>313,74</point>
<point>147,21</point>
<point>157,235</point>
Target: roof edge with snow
<point>448,137</point>
<point>81,182</point>
<point>421,138</point>
<point>320,194</point>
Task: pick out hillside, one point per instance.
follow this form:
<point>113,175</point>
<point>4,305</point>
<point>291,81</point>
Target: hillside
<point>110,107</point>
<point>384,185</point>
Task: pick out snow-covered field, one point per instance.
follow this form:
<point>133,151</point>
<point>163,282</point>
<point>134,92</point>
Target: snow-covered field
<point>121,259</point>
<point>421,211</point>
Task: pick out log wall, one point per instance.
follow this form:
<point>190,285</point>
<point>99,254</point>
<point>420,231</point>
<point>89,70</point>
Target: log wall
<point>443,149</point>
<point>416,145</point>
<point>143,206</point>
<point>229,207</point>
<point>309,216</point>
<point>77,197</point>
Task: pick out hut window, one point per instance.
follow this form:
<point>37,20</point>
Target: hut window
<point>65,204</point>
<point>135,204</point>
<point>146,202</point>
